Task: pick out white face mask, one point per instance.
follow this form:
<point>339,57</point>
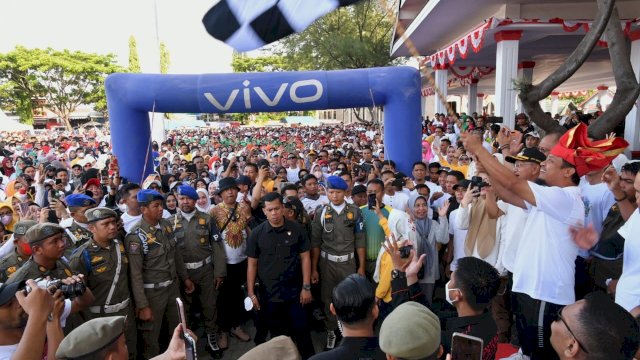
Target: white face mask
<point>447,291</point>
<point>122,208</point>
<point>6,219</point>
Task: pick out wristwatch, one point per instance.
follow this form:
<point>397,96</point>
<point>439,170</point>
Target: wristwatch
<point>306,287</point>
<point>397,274</point>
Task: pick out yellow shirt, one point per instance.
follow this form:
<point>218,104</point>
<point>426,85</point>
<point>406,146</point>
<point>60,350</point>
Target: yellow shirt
<point>462,168</point>
<point>383,290</point>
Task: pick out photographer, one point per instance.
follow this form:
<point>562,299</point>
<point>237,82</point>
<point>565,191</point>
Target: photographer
<point>27,318</point>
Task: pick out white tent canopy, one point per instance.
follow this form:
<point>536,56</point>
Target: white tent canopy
<point>7,124</point>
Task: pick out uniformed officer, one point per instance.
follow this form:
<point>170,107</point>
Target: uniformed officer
<point>47,247</point>
<point>77,230</point>
<point>203,253</point>
<point>337,236</point>
<point>105,266</point>
<point>13,261</point>
<point>154,268</point>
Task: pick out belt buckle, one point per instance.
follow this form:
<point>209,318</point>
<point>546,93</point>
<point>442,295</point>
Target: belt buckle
<point>341,258</point>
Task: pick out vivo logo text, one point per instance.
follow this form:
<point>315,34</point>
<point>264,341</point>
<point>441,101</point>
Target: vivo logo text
<point>226,104</point>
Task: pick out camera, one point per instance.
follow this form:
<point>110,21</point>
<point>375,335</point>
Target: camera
<point>405,251</point>
<point>477,181</point>
<point>68,291</point>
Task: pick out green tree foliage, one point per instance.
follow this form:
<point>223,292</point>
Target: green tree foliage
<point>351,37</point>
<point>243,63</point>
<point>165,58</point>
<point>134,60</point>
<point>65,79</point>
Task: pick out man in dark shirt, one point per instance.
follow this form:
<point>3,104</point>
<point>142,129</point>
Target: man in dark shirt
<point>353,303</point>
<point>470,290</point>
<point>278,254</point>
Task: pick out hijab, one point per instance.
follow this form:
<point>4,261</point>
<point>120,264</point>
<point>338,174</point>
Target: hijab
<point>6,169</point>
<point>423,228</point>
<point>207,207</point>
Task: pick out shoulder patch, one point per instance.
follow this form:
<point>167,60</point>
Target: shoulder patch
<point>134,247</point>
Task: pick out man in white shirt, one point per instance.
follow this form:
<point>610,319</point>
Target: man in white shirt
<point>312,199</point>
<point>395,199</point>
<point>293,169</point>
<point>543,278</point>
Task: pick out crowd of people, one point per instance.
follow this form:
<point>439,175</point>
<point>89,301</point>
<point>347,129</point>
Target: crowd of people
<point>517,239</point>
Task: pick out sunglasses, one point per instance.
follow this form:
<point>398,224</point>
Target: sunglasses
<point>463,158</point>
<point>559,317</point>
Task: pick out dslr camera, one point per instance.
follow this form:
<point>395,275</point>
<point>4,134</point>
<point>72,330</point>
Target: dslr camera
<point>68,291</point>
<point>477,181</point>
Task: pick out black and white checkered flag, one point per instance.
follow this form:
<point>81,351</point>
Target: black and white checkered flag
<point>250,24</point>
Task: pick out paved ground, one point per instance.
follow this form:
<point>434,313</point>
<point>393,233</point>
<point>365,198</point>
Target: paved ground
<point>238,348</point>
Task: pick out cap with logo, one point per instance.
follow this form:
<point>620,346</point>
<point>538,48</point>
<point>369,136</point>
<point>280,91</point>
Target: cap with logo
<point>100,213</point>
<point>21,227</point>
<point>42,231</point>
<point>79,200</point>
<point>145,197</point>
<point>529,155</point>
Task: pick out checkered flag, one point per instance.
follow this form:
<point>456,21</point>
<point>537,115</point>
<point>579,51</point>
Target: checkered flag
<point>250,24</point>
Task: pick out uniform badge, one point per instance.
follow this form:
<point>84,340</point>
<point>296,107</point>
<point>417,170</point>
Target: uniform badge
<point>101,269</point>
<point>202,221</point>
<point>11,270</point>
<point>42,269</point>
<point>349,215</point>
<point>96,259</point>
<point>121,247</point>
<point>68,272</point>
<point>289,233</point>
<point>202,241</point>
<point>134,248</point>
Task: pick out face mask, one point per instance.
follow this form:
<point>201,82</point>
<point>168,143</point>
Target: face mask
<point>26,249</point>
<point>325,169</point>
<point>317,174</point>
<point>122,208</point>
<point>447,290</point>
<point>80,154</point>
<point>6,219</point>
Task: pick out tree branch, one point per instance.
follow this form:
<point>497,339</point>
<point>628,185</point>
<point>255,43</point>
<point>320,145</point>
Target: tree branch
<point>627,86</point>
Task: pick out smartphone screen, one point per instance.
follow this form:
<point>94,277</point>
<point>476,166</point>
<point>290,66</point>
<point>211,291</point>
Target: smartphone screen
<point>191,168</point>
<point>371,199</point>
<point>466,347</point>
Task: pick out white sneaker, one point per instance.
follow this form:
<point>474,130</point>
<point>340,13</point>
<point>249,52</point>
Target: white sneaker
<point>212,341</point>
<point>331,340</point>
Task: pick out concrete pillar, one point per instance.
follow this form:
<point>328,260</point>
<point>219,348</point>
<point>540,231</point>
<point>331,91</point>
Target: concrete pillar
<point>442,78</point>
<point>632,122</point>
<point>472,96</point>
<point>479,103</point>
<point>423,106</point>
<point>506,72</point>
<point>157,127</point>
<point>602,90</point>
<point>525,72</point>
<point>554,103</point>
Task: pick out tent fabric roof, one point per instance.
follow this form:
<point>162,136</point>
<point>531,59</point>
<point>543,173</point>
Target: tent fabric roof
<point>7,124</point>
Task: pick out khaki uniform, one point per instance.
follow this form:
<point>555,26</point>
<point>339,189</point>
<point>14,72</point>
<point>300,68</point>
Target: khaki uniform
<point>77,236</point>
<point>106,272</point>
<point>338,236</point>
<point>154,267</point>
<point>10,264</point>
<point>31,270</point>
<point>199,242</point>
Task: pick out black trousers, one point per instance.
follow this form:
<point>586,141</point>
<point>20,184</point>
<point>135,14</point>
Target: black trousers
<point>285,318</point>
<point>231,312</point>
<point>533,323</point>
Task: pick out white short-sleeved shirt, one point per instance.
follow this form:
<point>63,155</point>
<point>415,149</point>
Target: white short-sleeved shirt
<point>513,222</point>
<point>598,200</point>
<point>397,201</point>
<point>310,205</point>
<point>292,175</point>
<point>628,289</point>
<point>545,265</point>
<point>459,236</point>
<point>440,202</point>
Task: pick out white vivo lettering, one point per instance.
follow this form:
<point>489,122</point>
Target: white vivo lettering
<point>276,99</point>
<point>305,99</point>
<point>217,104</point>
<point>246,94</point>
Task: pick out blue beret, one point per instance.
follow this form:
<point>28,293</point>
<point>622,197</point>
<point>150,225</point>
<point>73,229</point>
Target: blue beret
<point>188,191</point>
<point>79,200</point>
<point>336,182</point>
<point>147,196</point>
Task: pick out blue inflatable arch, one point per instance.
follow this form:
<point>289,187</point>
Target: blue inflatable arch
<point>130,97</point>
